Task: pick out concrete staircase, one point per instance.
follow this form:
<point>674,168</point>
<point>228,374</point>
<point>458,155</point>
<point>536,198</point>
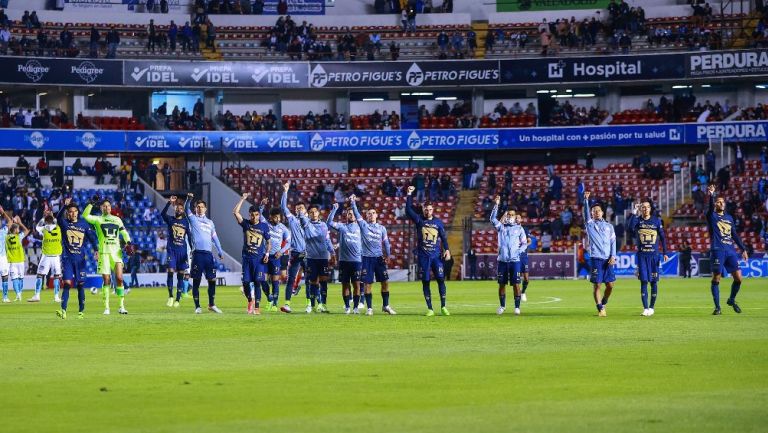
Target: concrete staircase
<point>464,208</point>
<point>481,30</point>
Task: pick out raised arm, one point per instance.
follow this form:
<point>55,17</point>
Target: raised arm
<point>236,210</point>
<point>287,242</point>
<point>587,215</point>
<point>711,190</point>
<point>284,201</point>
<point>87,214</point>
<point>40,226</point>
<point>6,216</point>
<point>24,228</point>
<point>188,204</point>
<point>262,206</point>
<point>409,206</point>
<point>331,215</point>
<point>495,212</point>
<point>164,213</point>
<point>60,215</point>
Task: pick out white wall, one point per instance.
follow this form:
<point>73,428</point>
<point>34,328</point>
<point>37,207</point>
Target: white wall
<point>298,106</point>
<point>239,104</point>
<point>368,107</point>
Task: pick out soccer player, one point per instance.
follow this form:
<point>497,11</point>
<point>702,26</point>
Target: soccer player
<point>178,261</point>
<point>298,250</point>
<point>429,230</point>
<point>649,233</point>
<point>376,251</point>
<point>512,242</point>
<point>50,261</point>
<point>524,258</point>
<point>350,259</point>
<point>723,234</point>
<point>4,265</point>
<point>256,246</point>
<point>203,235</point>
<point>110,231</point>
<point>280,240</point>
<point>601,243</point>
<point>74,230</point>
<point>16,257</point>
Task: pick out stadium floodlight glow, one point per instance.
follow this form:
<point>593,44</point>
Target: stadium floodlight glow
<point>91,94</point>
<point>584,95</point>
<point>42,93</point>
<point>562,96</point>
<point>680,86</point>
<point>445,98</point>
<point>399,158</point>
<point>423,158</point>
<point>405,94</point>
<point>553,91</point>
<point>705,86</point>
<point>760,86</point>
<point>373,99</point>
<point>156,161</point>
<point>542,91</point>
<point>422,94</point>
<point>568,91</point>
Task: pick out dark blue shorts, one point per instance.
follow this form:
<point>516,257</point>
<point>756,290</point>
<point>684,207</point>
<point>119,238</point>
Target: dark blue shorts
<point>73,269</point>
<point>254,270</point>
<point>600,271</point>
<point>317,268</point>
<point>203,264</point>
<point>374,268</point>
<point>273,266</point>
<point>349,272</point>
<point>298,259</point>
<point>429,263</point>
<point>177,260</point>
<point>509,272</point>
<point>648,267</point>
<point>724,260</point>
<point>524,263</point>
<point>284,262</point>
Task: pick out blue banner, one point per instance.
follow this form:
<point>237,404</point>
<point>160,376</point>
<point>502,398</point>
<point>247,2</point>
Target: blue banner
<point>626,265</point>
<point>404,140</point>
<point>755,267</point>
<point>592,136</point>
<point>250,141</point>
<point>46,140</point>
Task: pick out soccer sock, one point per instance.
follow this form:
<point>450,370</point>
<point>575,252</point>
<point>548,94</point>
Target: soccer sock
<point>247,291</point>
<point>211,292</point>
<point>735,286</point>
<point>179,286</point>
<point>716,294</point>
<point>517,301</point>
<point>38,285</point>
<point>196,291</point>
<point>265,288</point>
<point>81,298</point>
<point>18,286</point>
<point>369,300</point>
<point>346,300</point>
<point>312,293</point>
<point>55,286</point>
<point>275,291</point>
<point>120,294</point>
<point>644,294</point>
<point>186,285</point>
<point>441,288</point>
<point>323,291</point>
<point>65,297</point>
<point>503,300</point>
<point>384,299</point>
<point>525,285</point>
<point>427,293</point>
<point>604,301</point>
<point>5,288</point>
<point>169,284</point>
<point>355,301</point>
<point>654,292</point>
<point>105,295</point>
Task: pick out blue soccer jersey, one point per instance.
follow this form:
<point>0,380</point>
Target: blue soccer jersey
<point>74,234</point>
<point>722,230</point>
<point>349,239</point>
<point>178,231</point>
<point>648,233</point>
<point>255,239</point>
<point>373,236</point>
<point>430,234</point>
<point>316,238</point>
<point>298,244</point>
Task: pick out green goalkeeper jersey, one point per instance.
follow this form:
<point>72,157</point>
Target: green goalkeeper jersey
<point>108,230</point>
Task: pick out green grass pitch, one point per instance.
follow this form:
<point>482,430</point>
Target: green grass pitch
<point>556,368</point>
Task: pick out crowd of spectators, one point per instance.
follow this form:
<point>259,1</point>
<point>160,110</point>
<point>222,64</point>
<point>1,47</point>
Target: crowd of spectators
<point>247,122</point>
<point>566,114</point>
<point>460,114</point>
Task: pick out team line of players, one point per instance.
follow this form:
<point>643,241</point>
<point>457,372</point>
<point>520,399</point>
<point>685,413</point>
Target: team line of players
<point>362,260</point>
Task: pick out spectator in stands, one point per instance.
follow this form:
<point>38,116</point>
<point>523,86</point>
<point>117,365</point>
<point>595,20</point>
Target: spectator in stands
<point>167,176</point>
<point>709,163</point>
<point>625,43</point>
<point>185,37</point>
<point>94,42</point>
<point>152,175</point>
<point>113,40</point>
<point>724,178</point>
<point>740,164</point>
<point>173,33</point>
<point>411,15</point>
<point>442,42</point>
<point>151,32</point>
<point>546,41</point>
<point>210,41</point>
<point>457,45</point>
<point>5,37</point>
<point>556,186</point>
<point>677,164</point>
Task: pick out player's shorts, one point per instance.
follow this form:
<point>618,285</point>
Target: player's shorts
<point>16,270</point>
<point>509,272</point>
<point>73,269</point>
<point>50,264</point>
<point>254,270</point>
<point>374,268</point>
<point>108,262</point>
<point>284,262</point>
<point>349,272</point>
<point>724,260</point>
<point>429,263</point>
<point>648,267</point>
<point>524,263</point>
<point>273,266</point>
<point>600,271</point>
<point>317,268</point>
<point>177,260</point>
<point>5,267</point>
<point>298,259</point>
<point>203,264</point>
